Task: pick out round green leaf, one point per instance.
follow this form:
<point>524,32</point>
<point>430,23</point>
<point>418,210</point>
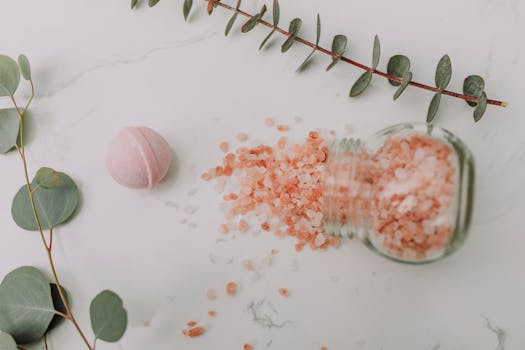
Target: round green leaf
<point>9,129</point>
<point>54,205</point>
<point>25,68</point>
<point>26,306</point>
<point>361,84</point>
<point>47,178</point>
<point>397,66</point>
<point>9,76</point>
<point>109,319</point>
<point>7,342</point>
<point>473,85</point>
<point>338,47</point>
<point>443,72</point>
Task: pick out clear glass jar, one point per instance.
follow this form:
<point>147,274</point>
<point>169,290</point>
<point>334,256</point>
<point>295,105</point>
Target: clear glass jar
<point>407,193</point>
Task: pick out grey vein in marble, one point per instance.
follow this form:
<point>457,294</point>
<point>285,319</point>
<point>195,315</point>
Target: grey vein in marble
<point>139,58</point>
<point>264,313</point>
<point>500,334</point>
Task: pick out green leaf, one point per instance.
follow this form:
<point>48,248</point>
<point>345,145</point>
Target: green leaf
<point>7,342</point>
<point>293,29</point>
<point>26,306</point>
<point>232,19</point>
<point>230,24</point>
<point>397,66</point>
<point>481,107</point>
<point>152,3</point>
<point>266,39</point>
<point>317,38</point>
<point>407,77</point>
<point>318,31</point>
<point>252,22</point>
<point>47,178</point>
<point>443,72</point>
<point>306,61</point>
<point>54,206</point>
<point>276,12</point>
<point>473,85</point>
<point>186,8</point>
<point>9,76</point>
<point>59,306</point>
<point>375,54</point>
<point>25,67</point>
<point>361,84</point>
<point>134,3</point>
<point>338,47</point>
<point>9,129</point>
<point>109,319</point>
<point>433,107</point>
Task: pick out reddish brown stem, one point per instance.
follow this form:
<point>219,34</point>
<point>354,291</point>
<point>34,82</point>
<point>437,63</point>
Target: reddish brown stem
<point>355,63</point>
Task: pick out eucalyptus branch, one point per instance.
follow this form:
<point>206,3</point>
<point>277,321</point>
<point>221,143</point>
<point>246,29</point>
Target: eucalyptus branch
<point>69,314</point>
<point>31,305</point>
<point>398,72</point>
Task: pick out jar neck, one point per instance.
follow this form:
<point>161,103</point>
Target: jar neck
<point>348,188</point>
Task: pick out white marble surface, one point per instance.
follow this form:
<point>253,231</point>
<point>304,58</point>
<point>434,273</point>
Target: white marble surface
<point>99,66</point>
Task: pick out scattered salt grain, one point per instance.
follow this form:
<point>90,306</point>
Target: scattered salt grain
<point>231,288</point>
<point>241,137</point>
<point>224,146</point>
<point>211,294</point>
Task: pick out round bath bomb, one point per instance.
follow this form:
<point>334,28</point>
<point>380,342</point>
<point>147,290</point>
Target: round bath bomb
<point>138,157</point>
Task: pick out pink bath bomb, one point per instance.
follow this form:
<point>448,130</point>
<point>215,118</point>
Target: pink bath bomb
<point>138,157</point>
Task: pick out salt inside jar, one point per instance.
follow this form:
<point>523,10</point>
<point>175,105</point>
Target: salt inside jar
<point>406,193</point>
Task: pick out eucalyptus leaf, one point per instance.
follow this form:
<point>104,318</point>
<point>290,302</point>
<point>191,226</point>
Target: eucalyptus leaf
<point>26,306</point>
<point>397,66</point>
<point>25,67</point>
<point>230,24</point>
<point>252,22</point>
<point>266,39</point>
<point>473,85</point>
<point>109,319</point>
<point>433,107</point>
<point>481,107</point>
<point>152,3</point>
<point>293,29</point>
<point>361,84</point>
<point>186,8</point>
<point>59,306</point>
<point>338,47</point>
<point>443,72</point>
<point>134,3</point>
<point>9,76</point>
<point>407,77</point>
<point>9,129</point>
<point>54,206</point>
<point>47,178</point>
<point>276,12</point>
<point>7,342</point>
<point>376,52</point>
<point>306,61</point>
<point>317,38</point>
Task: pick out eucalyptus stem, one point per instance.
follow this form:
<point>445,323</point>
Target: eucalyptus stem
<point>21,150</point>
<point>334,55</point>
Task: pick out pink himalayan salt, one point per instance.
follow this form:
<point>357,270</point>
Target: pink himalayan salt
<point>138,157</point>
<point>282,186</point>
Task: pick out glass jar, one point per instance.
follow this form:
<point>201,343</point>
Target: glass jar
<point>407,193</point>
